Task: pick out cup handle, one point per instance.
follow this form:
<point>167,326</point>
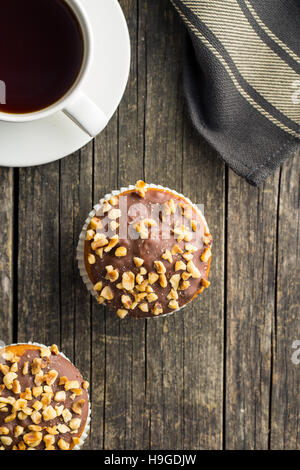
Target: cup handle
<point>86,114</point>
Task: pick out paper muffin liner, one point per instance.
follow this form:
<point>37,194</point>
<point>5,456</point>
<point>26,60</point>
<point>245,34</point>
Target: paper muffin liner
<point>86,429</point>
<point>97,207</point>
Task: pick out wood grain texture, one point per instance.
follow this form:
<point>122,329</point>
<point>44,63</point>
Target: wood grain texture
<point>286,376</point>
<point>204,182</point>
<point>6,253</point>
<point>38,255</point>
<point>251,274</point>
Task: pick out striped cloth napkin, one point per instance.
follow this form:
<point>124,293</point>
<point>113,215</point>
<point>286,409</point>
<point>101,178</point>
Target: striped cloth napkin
<point>242,79</point>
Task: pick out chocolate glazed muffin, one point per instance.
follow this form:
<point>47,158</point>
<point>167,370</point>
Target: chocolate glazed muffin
<point>147,251</point>
<point>44,404</point>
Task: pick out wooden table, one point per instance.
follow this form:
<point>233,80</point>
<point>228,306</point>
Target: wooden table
<point>219,375</point>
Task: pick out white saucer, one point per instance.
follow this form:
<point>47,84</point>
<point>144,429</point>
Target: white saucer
<point>46,140</point>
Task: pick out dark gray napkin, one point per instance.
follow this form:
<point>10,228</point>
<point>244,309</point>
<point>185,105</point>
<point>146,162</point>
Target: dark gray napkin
<point>242,79</point>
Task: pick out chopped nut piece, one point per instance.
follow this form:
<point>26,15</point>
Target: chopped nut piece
<point>128,280</point>
<point>167,255</point>
<point>60,396</point>
<point>191,248</point>
<point>176,249</point>
<point>143,271</point>
<point>18,431</point>
<point>121,251</point>
<point>205,282</point>
<point>67,415</point>
<point>91,259</point>
<point>59,409</point>
<point>207,239</point>
<point>36,417</point>
<point>114,214</point>
<point>185,276</point>
<point>114,200</point>
<point>172,295</point>
<point>174,281</point>
<point>37,391</point>
<point>138,261</point>
<point>8,379</point>
<point>76,441</point>
<point>8,356</point>
<point>45,352</point>
<point>63,445</point>
<point>107,293</point>
<point>99,252</point>
<point>34,427</point>
<point>98,286</point>
<point>163,280</point>
<point>113,275</point>
<point>85,385</point>
<point>96,223</point>
<point>157,309</point>
<point>112,243</point>
<point>7,441</point>
<point>180,266</point>
<point>105,206</point>
<point>122,313</point>
<point>16,388</point>
<point>62,428</point>
<point>11,417</point>
<point>90,235</point>
<point>114,225</point>
<point>100,299</point>
<point>193,270</point>
<point>144,307</point>
<point>173,304</point>
<point>206,254</point>
<point>160,267</point>
<point>139,278</point>
<point>4,431</point>
<point>194,225</point>
<point>77,406</point>
<point>152,297</point>
<point>51,377</point>
<point>188,256</point>
<point>153,277</point>
<point>14,367</point>
<point>4,369</point>
<point>100,241</point>
<point>71,384</point>
<point>184,285</point>
<point>49,440</point>
<point>126,301</point>
<point>75,423</point>
<point>49,413</point>
<point>141,188</point>
<point>33,439</point>
<point>54,349</point>
<point>37,405</point>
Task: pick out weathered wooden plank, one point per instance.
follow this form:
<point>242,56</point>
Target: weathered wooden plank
<point>163,165</point>
<point>38,262</point>
<point>7,250</point>
<point>105,179</point>
<point>76,192</point>
<point>251,255</point>
<point>286,376</point>
<point>204,183</point>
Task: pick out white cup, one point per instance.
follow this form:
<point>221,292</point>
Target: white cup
<point>75,104</point>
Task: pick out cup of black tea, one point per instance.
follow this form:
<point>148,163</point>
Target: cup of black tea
<point>46,51</point>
